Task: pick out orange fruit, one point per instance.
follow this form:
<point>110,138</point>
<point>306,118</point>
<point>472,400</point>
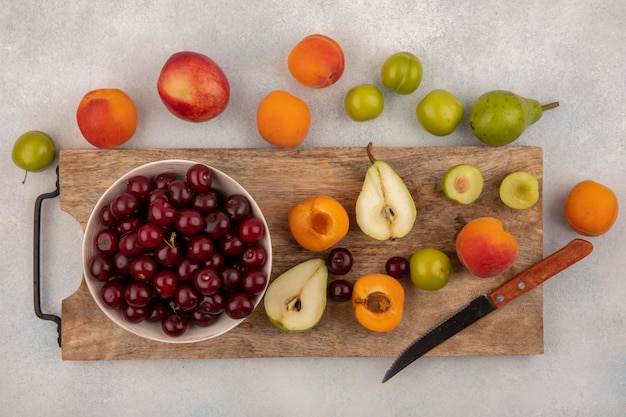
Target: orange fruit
<point>317,61</point>
<point>107,117</point>
<point>318,223</point>
<point>591,208</point>
<point>485,247</point>
<point>378,302</point>
<point>283,119</point>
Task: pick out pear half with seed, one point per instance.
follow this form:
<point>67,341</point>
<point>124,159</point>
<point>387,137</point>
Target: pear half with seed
<point>519,190</point>
<point>296,300</point>
<point>463,183</point>
<point>384,208</point>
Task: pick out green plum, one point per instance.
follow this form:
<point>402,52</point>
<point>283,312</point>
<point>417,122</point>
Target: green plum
<point>463,183</point>
<point>439,112</point>
<point>364,102</point>
<point>33,151</point>
<point>402,73</point>
<point>519,190</point>
<point>430,269</point>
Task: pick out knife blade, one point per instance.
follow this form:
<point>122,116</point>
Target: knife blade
<point>484,304</point>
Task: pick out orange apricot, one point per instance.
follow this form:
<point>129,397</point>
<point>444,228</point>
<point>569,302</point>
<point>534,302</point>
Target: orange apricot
<point>107,117</point>
<point>485,247</point>
<point>378,302</point>
<point>591,208</point>
<point>317,61</point>
<point>283,119</point>
<point>318,223</point>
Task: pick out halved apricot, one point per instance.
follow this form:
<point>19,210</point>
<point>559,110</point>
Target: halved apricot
<point>318,223</point>
<point>378,302</point>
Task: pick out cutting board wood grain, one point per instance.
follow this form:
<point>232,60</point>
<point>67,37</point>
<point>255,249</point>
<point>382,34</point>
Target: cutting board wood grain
<point>277,179</point>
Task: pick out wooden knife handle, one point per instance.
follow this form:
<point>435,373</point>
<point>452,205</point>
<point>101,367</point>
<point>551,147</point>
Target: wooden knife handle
<point>536,274</point>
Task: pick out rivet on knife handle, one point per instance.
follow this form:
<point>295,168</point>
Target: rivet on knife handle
<point>540,272</point>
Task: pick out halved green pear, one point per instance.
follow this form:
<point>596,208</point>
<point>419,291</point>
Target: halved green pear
<point>519,190</point>
<point>384,208</point>
<point>463,183</point>
<point>296,300</point>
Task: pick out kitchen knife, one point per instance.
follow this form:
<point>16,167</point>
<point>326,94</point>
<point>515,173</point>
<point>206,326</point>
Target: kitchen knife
<point>523,282</point>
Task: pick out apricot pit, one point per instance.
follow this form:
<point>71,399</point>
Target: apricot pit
<point>378,302</point>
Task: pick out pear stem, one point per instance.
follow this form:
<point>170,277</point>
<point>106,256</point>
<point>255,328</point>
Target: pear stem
<point>25,175</point>
<point>549,106</point>
<point>369,153</point>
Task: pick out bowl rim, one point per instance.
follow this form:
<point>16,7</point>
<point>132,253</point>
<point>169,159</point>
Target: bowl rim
<point>194,333</point>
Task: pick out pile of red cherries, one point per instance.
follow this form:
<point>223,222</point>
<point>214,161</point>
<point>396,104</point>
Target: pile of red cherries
<point>178,252</point>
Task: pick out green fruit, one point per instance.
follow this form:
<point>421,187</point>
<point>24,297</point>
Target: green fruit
<point>33,151</point>
<point>463,183</point>
<point>499,117</point>
<point>430,269</point>
<point>295,301</point>
<point>519,190</point>
<point>364,102</point>
<point>402,73</point>
<point>439,112</point>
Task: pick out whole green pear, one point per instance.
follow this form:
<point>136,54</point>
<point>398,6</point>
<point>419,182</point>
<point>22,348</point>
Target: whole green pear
<point>499,117</point>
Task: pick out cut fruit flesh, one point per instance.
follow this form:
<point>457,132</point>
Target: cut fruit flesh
<point>519,190</point>
<point>463,183</point>
<point>385,208</point>
<point>295,301</point>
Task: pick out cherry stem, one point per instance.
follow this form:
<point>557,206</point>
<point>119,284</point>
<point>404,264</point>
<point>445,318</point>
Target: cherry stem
<point>549,106</point>
<point>171,242</point>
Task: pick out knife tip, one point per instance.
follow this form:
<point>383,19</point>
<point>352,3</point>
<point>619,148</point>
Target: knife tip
<point>387,377</point>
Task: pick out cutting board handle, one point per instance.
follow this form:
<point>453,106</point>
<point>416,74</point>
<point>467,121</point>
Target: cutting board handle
<point>37,259</point>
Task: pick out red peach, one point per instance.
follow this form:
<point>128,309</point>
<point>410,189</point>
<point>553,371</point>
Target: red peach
<point>193,87</point>
<point>317,61</point>
<point>485,247</point>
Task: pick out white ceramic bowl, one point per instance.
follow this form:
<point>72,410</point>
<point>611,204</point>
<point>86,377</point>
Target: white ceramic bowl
<point>151,330</point>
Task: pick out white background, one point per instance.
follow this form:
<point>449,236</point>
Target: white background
<point>53,52</point>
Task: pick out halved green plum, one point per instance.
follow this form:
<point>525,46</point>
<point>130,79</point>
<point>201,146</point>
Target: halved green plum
<point>519,190</point>
<point>463,183</point>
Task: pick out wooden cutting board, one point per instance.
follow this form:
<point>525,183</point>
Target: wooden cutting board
<point>279,178</point>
